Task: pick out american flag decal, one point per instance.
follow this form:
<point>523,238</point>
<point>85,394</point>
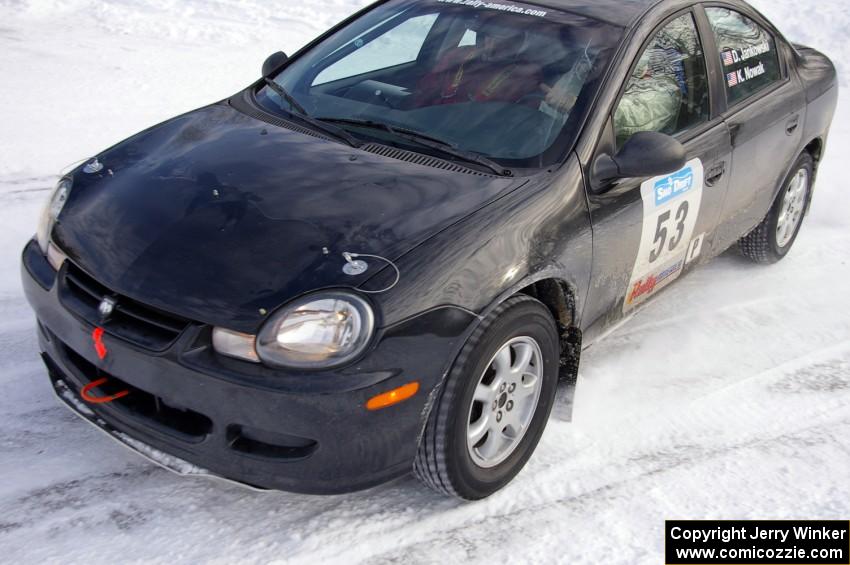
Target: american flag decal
<point>728,59</point>
<point>732,79</point>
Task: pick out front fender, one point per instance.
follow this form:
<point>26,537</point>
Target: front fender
<point>539,231</point>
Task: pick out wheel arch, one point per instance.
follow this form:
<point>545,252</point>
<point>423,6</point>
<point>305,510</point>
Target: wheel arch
<point>815,149</point>
<point>557,296</point>
<point>560,298</point>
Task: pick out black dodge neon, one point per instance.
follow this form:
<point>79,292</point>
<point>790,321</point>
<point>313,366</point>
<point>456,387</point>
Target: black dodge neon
<point>382,255</point>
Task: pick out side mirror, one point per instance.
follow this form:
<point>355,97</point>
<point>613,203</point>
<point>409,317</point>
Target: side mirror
<point>274,62</point>
<point>645,154</point>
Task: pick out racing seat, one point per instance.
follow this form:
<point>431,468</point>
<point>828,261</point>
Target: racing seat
<point>668,62</point>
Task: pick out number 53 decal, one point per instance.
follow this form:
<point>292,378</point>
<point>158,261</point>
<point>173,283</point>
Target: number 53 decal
<point>671,206</point>
<point>661,231</point>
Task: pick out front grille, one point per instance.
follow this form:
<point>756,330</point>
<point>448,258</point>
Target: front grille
<point>137,323</point>
<point>183,423</point>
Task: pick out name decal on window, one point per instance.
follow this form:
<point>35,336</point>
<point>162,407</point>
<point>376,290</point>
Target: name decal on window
<point>736,78</point>
<point>735,56</point>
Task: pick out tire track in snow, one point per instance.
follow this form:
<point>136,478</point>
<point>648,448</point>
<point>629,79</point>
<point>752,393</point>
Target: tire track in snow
<point>652,460</point>
<point>15,189</point>
<point>635,474</point>
<point>597,475</point>
<point>554,477</point>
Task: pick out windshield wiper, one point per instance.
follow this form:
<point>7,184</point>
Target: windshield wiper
<point>426,140</point>
<point>281,91</point>
<point>302,114</point>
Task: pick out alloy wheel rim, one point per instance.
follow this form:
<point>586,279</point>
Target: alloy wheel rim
<point>793,207</point>
<point>504,402</point>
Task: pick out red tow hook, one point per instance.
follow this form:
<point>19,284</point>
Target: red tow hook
<point>87,396</point>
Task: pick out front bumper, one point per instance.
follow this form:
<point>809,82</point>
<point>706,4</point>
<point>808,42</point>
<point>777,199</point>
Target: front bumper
<point>197,413</point>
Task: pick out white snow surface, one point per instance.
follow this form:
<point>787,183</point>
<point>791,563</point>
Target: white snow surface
<point>727,397</point>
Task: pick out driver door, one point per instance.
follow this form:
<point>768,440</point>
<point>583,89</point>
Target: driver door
<point>648,231</point>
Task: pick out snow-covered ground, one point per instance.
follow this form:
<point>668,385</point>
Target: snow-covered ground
<point>729,397</point>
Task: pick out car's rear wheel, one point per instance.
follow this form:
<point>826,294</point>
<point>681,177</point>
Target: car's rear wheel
<point>494,404</point>
<point>773,238</point>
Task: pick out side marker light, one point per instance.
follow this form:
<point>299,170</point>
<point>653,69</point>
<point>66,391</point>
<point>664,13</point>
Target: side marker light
<point>393,397</point>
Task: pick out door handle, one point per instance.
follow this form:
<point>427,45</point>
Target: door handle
<point>715,173</point>
<point>792,125</point>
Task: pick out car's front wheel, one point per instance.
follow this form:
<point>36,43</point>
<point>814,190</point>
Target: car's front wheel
<point>494,403</point>
<point>772,239</point>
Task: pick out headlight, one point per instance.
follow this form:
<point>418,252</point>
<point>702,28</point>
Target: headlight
<point>318,331</point>
<point>51,211</point>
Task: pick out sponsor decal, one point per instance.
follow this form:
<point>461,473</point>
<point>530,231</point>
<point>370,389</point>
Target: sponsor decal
<point>645,287</point>
<point>511,8</point>
<point>673,186</point>
<point>671,206</point>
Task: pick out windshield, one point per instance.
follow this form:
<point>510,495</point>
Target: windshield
<point>508,82</point>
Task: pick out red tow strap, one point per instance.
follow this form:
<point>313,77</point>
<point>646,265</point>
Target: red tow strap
<point>99,346</point>
<point>86,393</point>
<point>100,349</point>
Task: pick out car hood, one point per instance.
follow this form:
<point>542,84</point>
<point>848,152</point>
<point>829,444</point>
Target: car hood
<point>215,215</point>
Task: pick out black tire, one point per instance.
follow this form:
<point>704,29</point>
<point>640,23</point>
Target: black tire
<point>443,462</point>
<point>761,244</point>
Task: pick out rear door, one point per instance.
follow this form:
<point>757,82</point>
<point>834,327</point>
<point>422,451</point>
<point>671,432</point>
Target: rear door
<point>764,114</point>
<point>647,232</point>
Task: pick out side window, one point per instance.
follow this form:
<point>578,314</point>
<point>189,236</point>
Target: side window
<point>747,53</point>
<point>668,89</point>
<point>397,46</point>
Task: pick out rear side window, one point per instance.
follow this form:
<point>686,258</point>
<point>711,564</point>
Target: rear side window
<point>747,53</point>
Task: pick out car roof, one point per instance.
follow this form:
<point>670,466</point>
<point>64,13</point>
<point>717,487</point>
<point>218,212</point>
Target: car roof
<point>618,12</point>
